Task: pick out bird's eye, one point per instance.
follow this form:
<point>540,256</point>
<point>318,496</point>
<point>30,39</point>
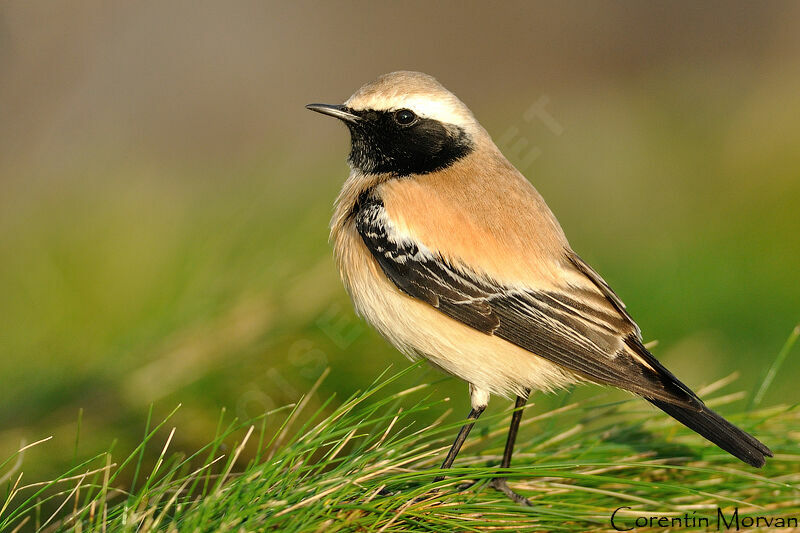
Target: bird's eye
<point>405,117</point>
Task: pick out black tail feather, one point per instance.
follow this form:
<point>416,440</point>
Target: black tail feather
<point>719,431</point>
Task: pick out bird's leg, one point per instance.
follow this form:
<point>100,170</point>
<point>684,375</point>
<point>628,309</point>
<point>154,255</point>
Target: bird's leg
<point>460,438</point>
<point>516,418</point>
<point>500,483</point>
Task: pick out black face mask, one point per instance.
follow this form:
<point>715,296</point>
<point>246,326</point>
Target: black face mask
<point>401,143</point>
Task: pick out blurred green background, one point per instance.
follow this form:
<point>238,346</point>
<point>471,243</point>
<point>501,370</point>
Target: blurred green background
<point>164,195</point>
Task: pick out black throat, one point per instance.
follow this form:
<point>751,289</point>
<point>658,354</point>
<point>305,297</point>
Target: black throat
<point>380,145</point>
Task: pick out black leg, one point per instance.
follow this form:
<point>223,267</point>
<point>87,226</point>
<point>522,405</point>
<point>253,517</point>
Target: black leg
<point>500,483</point>
<point>460,438</point>
<point>516,418</point>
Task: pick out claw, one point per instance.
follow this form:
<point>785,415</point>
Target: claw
<point>500,484</point>
<point>466,486</point>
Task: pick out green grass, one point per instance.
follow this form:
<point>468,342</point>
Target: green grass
<point>367,464</point>
<point>130,280</point>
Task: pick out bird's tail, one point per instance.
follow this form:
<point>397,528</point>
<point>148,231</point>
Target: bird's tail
<point>712,426</point>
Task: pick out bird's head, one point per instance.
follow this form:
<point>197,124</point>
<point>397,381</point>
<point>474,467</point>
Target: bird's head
<point>405,123</point>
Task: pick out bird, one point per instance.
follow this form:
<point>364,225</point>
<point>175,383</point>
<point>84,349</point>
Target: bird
<point>452,255</point>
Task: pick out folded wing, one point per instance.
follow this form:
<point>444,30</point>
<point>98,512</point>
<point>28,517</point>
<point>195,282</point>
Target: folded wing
<point>583,329</point>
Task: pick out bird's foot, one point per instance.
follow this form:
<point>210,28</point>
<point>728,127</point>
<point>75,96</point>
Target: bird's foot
<point>501,484</point>
<point>497,483</point>
<point>427,496</point>
<point>466,486</point>
<point>461,487</point>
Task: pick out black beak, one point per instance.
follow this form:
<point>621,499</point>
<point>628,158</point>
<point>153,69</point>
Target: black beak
<point>338,111</point>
